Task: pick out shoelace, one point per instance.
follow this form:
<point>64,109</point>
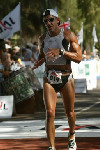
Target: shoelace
<point>71,143</point>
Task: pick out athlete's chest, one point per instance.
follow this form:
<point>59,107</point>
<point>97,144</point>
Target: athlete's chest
<point>53,42</point>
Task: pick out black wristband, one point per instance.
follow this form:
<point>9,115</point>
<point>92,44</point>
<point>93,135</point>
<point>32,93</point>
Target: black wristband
<point>61,52</point>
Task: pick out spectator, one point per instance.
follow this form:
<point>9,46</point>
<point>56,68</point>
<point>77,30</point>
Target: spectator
<point>29,45</point>
<point>35,51</point>
<point>8,42</point>
<point>4,63</point>
<point>26,55</point>
<point>7,51</point>
<point>16,50</point>
<point>3,56</point>
<point>16,63</point>
<point>1,76</point>
<point>99,56</point>
<point>91,55</point>
<point>85,56</point>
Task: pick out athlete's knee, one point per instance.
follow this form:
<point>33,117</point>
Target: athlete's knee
<point>70,114</point>
<point>50,113</point>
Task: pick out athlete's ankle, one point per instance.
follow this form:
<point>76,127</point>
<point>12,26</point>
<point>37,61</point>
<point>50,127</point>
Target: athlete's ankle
<point>71,135</point>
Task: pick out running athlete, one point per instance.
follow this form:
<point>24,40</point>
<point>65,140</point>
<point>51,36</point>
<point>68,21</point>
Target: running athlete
<point>57,49</point>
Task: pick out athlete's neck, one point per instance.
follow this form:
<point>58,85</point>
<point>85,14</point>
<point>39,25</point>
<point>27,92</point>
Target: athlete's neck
<point>54,33</point>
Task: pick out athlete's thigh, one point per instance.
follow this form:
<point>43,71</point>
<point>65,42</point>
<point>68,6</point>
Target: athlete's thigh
<point>68,95</point>
<point>50,96</point>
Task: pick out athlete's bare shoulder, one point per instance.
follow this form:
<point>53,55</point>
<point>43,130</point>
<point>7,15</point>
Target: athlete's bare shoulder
<point>70,36</point>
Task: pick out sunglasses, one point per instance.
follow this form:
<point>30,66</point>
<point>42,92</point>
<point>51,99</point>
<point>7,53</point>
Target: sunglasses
<point>50,20</point>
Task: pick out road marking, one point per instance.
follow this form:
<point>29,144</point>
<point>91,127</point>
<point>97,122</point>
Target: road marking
<point>87,108</point>
<point>36,128</point>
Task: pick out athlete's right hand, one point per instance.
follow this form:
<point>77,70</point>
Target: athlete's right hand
<point>38,63</point>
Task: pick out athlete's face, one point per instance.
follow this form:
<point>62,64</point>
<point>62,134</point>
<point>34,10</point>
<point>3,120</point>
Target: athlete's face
<point>51,22</point>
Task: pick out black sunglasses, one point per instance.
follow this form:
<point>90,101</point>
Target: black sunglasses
<point>50,20</point>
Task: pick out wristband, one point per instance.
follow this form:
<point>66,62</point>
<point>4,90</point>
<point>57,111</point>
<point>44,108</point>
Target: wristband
<point>61,52</point>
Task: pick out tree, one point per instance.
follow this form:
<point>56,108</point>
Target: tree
<point>31,15</point>
<point>90,13</point>
<point>86,11</point>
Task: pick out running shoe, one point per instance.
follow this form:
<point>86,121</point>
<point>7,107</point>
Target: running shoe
<point>51,148</point>
<point>71,143</point>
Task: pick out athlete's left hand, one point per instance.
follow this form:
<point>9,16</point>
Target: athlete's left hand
<point>52,54</point>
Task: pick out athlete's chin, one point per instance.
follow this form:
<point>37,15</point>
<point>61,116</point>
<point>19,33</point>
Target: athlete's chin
<point>51,30</point>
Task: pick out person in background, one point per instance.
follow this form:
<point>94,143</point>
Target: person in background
<point>16,50</point>
<point>16,63</point>
<point>3,56</point>
<point>29,47</point>
<point>7,52</point>
<point>99,56</point>
<point>4,64</point>
<point>26,55</point>
<point>35,51</point>
<point>84,55</point>
<point>57,54</point>
<point>8,42</point>
<point>1,76</point>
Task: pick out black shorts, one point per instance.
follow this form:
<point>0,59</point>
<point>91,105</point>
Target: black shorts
<point>59,86</point>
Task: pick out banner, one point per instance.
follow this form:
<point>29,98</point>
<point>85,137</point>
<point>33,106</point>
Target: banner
<point>94,35</point>
<point>10,23</point>
<point>86,70</point>
<point>80,35</point>
<point>6,106</point>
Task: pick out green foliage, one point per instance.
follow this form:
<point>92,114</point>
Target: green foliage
<point>86,11</point>
<point>90,14</point>
<point>68,9</point>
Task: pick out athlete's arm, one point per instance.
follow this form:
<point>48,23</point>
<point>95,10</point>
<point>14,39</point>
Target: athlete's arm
<point>75,53</point>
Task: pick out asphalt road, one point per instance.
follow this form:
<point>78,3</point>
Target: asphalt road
<point>27,131</point>
<point>87,105</point>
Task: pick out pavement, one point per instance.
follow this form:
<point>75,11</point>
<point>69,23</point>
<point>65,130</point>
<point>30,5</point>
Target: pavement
<point>27,131</point>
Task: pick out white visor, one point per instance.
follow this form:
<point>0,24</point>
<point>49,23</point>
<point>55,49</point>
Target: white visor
<point>50,12</point>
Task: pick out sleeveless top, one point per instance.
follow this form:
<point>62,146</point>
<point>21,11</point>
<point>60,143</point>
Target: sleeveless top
<point>56,42</point>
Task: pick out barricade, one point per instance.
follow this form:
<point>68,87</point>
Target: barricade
<point>24,85</point>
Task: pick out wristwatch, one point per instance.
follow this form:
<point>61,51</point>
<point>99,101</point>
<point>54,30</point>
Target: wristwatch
<point>62,51</point>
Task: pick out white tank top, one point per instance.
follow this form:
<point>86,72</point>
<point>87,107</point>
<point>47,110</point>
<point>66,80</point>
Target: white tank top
<point>54,42</point>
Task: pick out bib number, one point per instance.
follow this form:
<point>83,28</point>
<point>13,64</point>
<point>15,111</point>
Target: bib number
<point>54,77</point>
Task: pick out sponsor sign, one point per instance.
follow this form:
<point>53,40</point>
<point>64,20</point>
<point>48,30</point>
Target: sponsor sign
<point>6,106</point>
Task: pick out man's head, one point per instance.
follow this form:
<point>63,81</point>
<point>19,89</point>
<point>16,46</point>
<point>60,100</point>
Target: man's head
<point>50,19</point>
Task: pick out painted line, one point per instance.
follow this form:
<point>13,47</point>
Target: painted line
<point>85,131</point>
<point>87,108</point>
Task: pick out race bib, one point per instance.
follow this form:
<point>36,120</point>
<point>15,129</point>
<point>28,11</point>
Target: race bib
<point>54,77</point>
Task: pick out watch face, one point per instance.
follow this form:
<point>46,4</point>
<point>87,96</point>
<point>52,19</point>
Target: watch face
<point>62,50</point>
